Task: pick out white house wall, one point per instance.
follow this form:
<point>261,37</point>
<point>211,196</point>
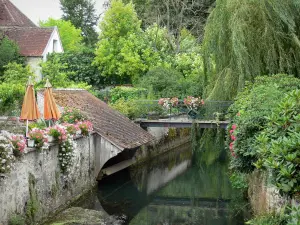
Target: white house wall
<point>49,47</point>
<point>34,63</point>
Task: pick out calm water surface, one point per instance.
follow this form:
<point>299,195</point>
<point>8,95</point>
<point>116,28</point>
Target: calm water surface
<point>182,187</point>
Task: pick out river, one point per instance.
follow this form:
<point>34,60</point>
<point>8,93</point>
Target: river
<point>187,186</point>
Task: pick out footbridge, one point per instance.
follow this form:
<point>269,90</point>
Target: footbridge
<point>209,115</point>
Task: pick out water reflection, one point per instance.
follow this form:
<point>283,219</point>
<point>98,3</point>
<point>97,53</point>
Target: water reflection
<point>179,188</point>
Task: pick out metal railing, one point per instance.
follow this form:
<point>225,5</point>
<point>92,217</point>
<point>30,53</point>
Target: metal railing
<point>211,110</point>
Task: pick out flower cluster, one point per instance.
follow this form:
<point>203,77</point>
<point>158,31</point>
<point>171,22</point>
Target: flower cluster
<point>58,132</point>
<point>6,155</point>
<point>193,103</point>
<point>71,116</point>
<point>39,137</point>
<point>233,138</point>
<point>168,102</point>
<point>86,127</point>
<point>65,155</point>
<point>71,128</point>
<point>19,143</point>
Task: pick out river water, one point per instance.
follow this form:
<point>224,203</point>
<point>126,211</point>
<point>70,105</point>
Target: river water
<point>187,186</point>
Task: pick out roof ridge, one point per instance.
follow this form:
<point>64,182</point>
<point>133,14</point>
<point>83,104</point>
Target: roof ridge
<point>12,16</point>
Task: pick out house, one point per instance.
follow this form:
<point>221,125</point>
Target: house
<point>35,43</point>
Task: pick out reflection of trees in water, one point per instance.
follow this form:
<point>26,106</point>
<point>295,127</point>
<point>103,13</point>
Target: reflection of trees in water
<point>139,173</point>
<point>206,185</point>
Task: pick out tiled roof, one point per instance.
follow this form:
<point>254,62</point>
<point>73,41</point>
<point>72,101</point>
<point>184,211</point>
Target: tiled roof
<point>109,123</point>
<point>10,15</point>
<point>32,41</point>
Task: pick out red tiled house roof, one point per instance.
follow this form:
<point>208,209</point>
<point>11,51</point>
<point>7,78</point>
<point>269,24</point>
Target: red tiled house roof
<point>10,15</point>
<point>32,41</point>
<point>109,123</point>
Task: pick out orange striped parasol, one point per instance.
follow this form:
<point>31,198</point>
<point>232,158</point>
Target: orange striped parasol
<point>51,111</point>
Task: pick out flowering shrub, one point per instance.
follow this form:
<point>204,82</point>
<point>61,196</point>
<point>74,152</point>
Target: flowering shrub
<point>193,103</point>
<point>85,127</point>
<point>39,137</point>
<point>65,154</point>
<point>71,116</point>
<point>58,132</point>
<point>233,138</point>
<point>168,102</point>
<point>19,144</point>
<point>6,155</point>
<point>71,128</point>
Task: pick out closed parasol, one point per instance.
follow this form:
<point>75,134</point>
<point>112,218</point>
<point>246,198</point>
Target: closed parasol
<point>51,111</point>
<point>29,108</point>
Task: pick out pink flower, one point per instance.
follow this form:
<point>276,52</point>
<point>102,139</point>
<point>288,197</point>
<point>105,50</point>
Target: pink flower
<point>233,127</point>
<point>233,137</point>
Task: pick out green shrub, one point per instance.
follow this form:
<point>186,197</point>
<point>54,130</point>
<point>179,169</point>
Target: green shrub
<point>40,125</point>
<point>249,113</point>
<point>270,219</point>
<point>16,220</point>
<point>137,108</point>
<point>126,93</point>
<point>11,98</point>
<point>294,216</point>
<point>238,180</point>
<point>279,144</point>
<point>163,82</point>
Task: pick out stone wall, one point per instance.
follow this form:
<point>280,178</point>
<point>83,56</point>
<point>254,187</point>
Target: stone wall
<point>263,196</point>
<point>36,188</point>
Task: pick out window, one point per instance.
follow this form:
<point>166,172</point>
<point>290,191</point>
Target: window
<point>55,45</point>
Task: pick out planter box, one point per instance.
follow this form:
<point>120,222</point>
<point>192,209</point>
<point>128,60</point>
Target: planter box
<point>50,139</point>
<point>30,143</point>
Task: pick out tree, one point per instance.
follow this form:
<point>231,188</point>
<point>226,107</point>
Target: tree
<point>174,14</point>
<point>17,74</point>
<point>244,39</point>
<point>80,68</point>
<point>82,14</point>
<point>9,52</point>
<point>70,36</point>
<point>122,53</point>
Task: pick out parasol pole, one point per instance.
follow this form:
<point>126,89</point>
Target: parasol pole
<point>26,128</point>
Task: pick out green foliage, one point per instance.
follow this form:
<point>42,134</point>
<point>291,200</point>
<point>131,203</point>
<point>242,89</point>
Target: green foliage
<point>17,74</point>
<point>82,14</point>
<point>174,14</point>
<point>16,220</point>
<point>127,93</point>
<point>163,82</point>
<point>120,47</point>
<point>293,218</point>
<point>278,144</point>
<point>270,219</point>
<point>57,73</point>
<point>245,39</point>
<point>70,35</point>
<point>249,113</point>
<point>80,68</point>
<point>239,180</point>
<point>40,125</point>
<point>11,98</point>
<point>136,108</point>
<point>9,52</point>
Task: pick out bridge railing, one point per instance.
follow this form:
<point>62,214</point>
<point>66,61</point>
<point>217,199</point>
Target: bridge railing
<point>211,110</point>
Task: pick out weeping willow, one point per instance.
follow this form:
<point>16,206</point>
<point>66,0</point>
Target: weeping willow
<point>247,38</point>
